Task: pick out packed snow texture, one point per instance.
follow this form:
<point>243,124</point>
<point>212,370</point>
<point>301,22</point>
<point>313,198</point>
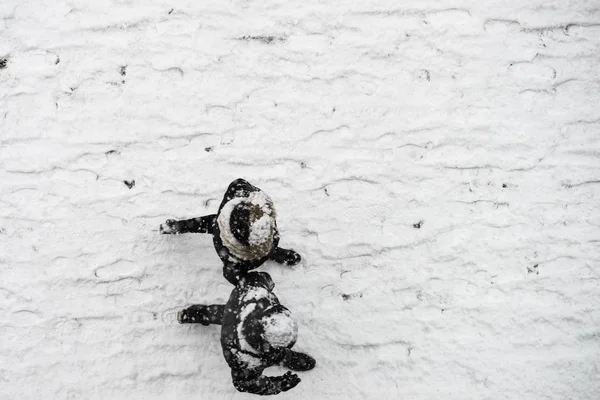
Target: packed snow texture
<point>435,163</point>
<point>280,329</point>
<point>261,231</point>
<point>260,241</point>
<point>257,293</point>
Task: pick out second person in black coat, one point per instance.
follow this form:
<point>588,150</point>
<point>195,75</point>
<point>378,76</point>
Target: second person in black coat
<point>257,332</point>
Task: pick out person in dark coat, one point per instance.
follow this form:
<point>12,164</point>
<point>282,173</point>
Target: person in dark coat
<point>256,332</point>
<point>244,230</point>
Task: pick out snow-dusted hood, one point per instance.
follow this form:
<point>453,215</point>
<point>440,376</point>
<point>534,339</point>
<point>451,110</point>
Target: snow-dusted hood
<point>273,328</point>
<point>261,229</point>
<point>279,329</point>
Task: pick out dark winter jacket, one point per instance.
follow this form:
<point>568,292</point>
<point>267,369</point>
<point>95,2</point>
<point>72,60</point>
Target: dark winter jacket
<point>256,332</point>
<point>231,263</point>
<point>250,228</point>
<point>247,355</point>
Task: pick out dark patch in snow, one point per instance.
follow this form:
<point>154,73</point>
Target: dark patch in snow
<point>264,39</point>
<point>325,189</point>
<point>2,231</point>
<point>504,185</point>
<point>302,164</point>
<point>170,11</point>
<point>208,149</point>
<point>566,185</point>
<point>418,225</point>
<point>112,152</point>
<point>347,297</point>
<point>57,60</point>
<point>3,62</point>
<point>424,74</point>
<point>534,269</point>
<point>569,185</point>
<point>175,69</point>
<point>123,70</point>
<point>130,184</point>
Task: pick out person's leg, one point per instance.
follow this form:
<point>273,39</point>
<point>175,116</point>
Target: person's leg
<point>285,256</point>
<point>247,381</point>
<point>298,361</point>
<point>194,225</point>
<point>200,314</point>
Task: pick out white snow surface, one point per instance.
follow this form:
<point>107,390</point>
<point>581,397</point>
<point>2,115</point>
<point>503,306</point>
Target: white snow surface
<point>435,163</point>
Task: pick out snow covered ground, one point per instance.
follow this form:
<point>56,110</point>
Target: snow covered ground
<point>436,163</point>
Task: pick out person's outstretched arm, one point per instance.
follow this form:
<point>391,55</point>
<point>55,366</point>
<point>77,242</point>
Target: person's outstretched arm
<point>201,314</point>
<point>264,385</point>
<point>193,225</point>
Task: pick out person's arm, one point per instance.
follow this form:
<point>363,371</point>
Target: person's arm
<point>201,314</point>
<point>193,225</point>
<point>264,385</point>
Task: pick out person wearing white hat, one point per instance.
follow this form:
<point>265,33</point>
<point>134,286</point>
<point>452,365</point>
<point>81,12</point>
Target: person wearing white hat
<point>256,332</point>
<point>244,230</point>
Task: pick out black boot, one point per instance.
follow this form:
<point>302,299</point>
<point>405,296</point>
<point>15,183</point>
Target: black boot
<point>285,256</point>
<point>298,361</point>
